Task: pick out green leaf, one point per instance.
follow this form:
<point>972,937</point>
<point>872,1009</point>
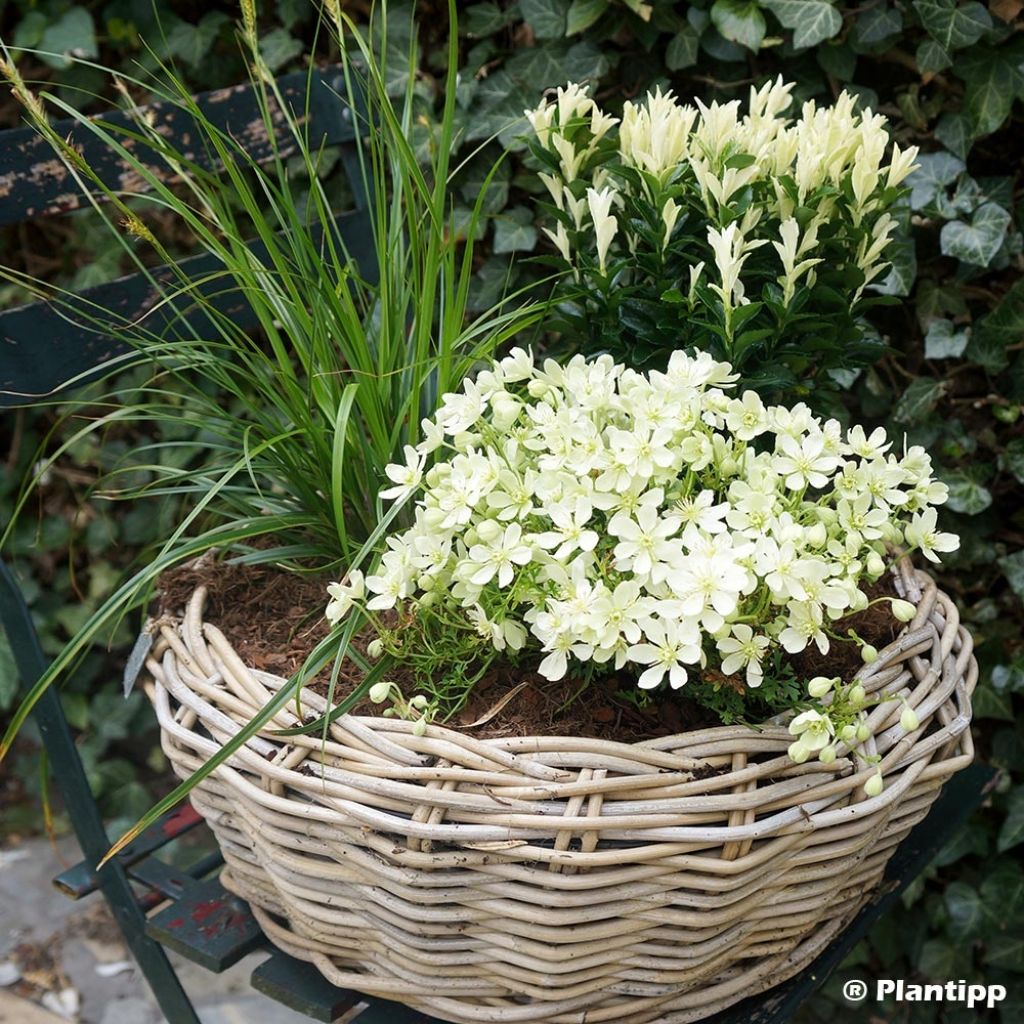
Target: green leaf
<point>931,57</point>
<point>812,21</point>
<point>877,25</point>
<point>986,703</point>
<point>484,19</point>
<point>1002,892</point>
<point>1012,831</point>
<point>514,231</point>
<point>953,131</point>
<point>583,13</point>
<point>192,42</point>
<point>966,495</point>
<point>967,917</point>
<point>934,172</point>
<point>279,47</point>
<point>920,398</point>
<point>902,257</point>
<point>938,959</point>
<point>29,31</point>
<point>992,80</point>
<point>73,34</point>
<point>547,18</point>
<point>739,21</point>
<point>978,241</point>
<point>683,48</point>
<point>838,60</point>
<point>1011,459</point>
<point>1006,949</point>
<point>953,27</point>
<point>1005,324</point>
<point>1013,569</point>
<point>944,341</point>
<point>584,60</point>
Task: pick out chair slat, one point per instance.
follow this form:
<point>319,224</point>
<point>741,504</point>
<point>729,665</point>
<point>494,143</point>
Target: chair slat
<point>302,988</point>
<point>208,925</point>
<point>35,183</point>
<point>79,880</point>
<point>43,347</point>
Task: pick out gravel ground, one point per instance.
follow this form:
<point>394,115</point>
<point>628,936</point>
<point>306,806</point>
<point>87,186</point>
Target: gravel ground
<point>61,960</point>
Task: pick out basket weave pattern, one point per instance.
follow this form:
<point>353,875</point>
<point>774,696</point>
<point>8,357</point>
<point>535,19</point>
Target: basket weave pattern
<point>554,879</point>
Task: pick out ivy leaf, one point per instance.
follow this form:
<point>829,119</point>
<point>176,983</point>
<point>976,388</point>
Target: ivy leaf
<point>583,60</point>
<point>938,959</point>
<point>1005,324</point>
<point>192,42</point>
<point>280,47</point>
<point>683,48</point>
<point>932,57</point>
<point>812,21</point>
<point>902,256</point>
<point>484,20</point>
<point>966,495</point>
<point>944,341</point>
<point>73,34</point>
<point>514,231</point>
<point>978,241</point>
<point>1011,459</point>
<point>739,21</point>
<point>967,917</point>
<point>547,18</point>
<point>934,172</point>
<point>992,80</point>
<point>838,60</point>
<point>29,31</point>
<point>953,131</point>
<point>1013,570</point>
<point>953,27</point>
<point>1012,831</point>
<point>1005,949</point>
<point>877,25</point>
<point>583,13</point>
<point>986,703</point>
<point>918,400</point>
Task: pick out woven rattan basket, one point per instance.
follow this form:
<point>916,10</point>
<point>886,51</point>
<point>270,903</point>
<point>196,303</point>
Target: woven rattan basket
<point>556,879</point>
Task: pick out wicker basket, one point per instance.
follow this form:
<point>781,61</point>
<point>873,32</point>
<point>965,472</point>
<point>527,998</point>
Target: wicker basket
<point>558,879</point>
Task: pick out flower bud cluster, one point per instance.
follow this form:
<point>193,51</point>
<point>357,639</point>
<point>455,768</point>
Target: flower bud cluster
<point>709,187</point>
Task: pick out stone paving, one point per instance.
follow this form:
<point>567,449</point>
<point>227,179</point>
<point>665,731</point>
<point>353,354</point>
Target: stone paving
<point>78,968</point>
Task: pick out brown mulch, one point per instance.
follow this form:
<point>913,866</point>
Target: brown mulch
<point>876,625</point>
<point>272,618</point>
<point>275,618</point>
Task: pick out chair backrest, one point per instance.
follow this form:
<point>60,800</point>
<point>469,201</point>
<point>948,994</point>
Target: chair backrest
<point>42,347</point>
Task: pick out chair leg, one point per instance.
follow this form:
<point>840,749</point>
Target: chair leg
<point>83,811</point>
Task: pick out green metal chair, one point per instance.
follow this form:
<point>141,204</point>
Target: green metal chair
<point>155,904</point>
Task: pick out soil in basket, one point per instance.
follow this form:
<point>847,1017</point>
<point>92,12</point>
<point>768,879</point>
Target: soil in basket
<point>274,619</point>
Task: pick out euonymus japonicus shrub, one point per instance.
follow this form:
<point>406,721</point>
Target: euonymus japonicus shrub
<point>750,236</point>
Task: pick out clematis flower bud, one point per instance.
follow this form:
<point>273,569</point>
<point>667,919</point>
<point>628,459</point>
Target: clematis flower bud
<point>820,685</point>
<point>909,719</point>
<point>798,752</point>
<point>903,611</point>
<point>874,785</point>
<point>380,692</point>
<point>868,654</point>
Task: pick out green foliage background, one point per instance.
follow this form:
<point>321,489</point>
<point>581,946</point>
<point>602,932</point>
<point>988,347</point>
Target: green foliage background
<point>949,75</point>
